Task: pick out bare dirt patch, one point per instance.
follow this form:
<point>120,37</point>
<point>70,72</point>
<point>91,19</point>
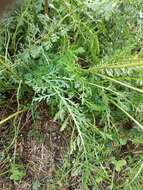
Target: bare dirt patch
<point>40,148</point>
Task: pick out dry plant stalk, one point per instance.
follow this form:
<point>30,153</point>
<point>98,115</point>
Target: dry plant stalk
<point>46,7</point>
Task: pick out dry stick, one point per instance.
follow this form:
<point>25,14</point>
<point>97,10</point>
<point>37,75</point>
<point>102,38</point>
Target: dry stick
<point>11,116</point>
<point>46,7</point>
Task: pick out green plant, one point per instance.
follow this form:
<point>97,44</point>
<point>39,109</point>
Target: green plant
<point>17,172</point>
<point>84,61</point>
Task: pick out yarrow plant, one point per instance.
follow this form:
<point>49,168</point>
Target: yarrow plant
<point>83,62</point>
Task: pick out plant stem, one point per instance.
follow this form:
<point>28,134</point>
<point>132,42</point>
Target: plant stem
<point>46,7</point>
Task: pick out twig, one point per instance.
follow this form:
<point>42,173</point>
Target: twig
<point>11,116</point>
<point>46,7</point>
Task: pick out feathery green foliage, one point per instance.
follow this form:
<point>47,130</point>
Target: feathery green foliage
<point>84,61</point>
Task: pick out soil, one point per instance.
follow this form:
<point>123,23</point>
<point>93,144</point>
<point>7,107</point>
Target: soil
<point>40,148</point>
